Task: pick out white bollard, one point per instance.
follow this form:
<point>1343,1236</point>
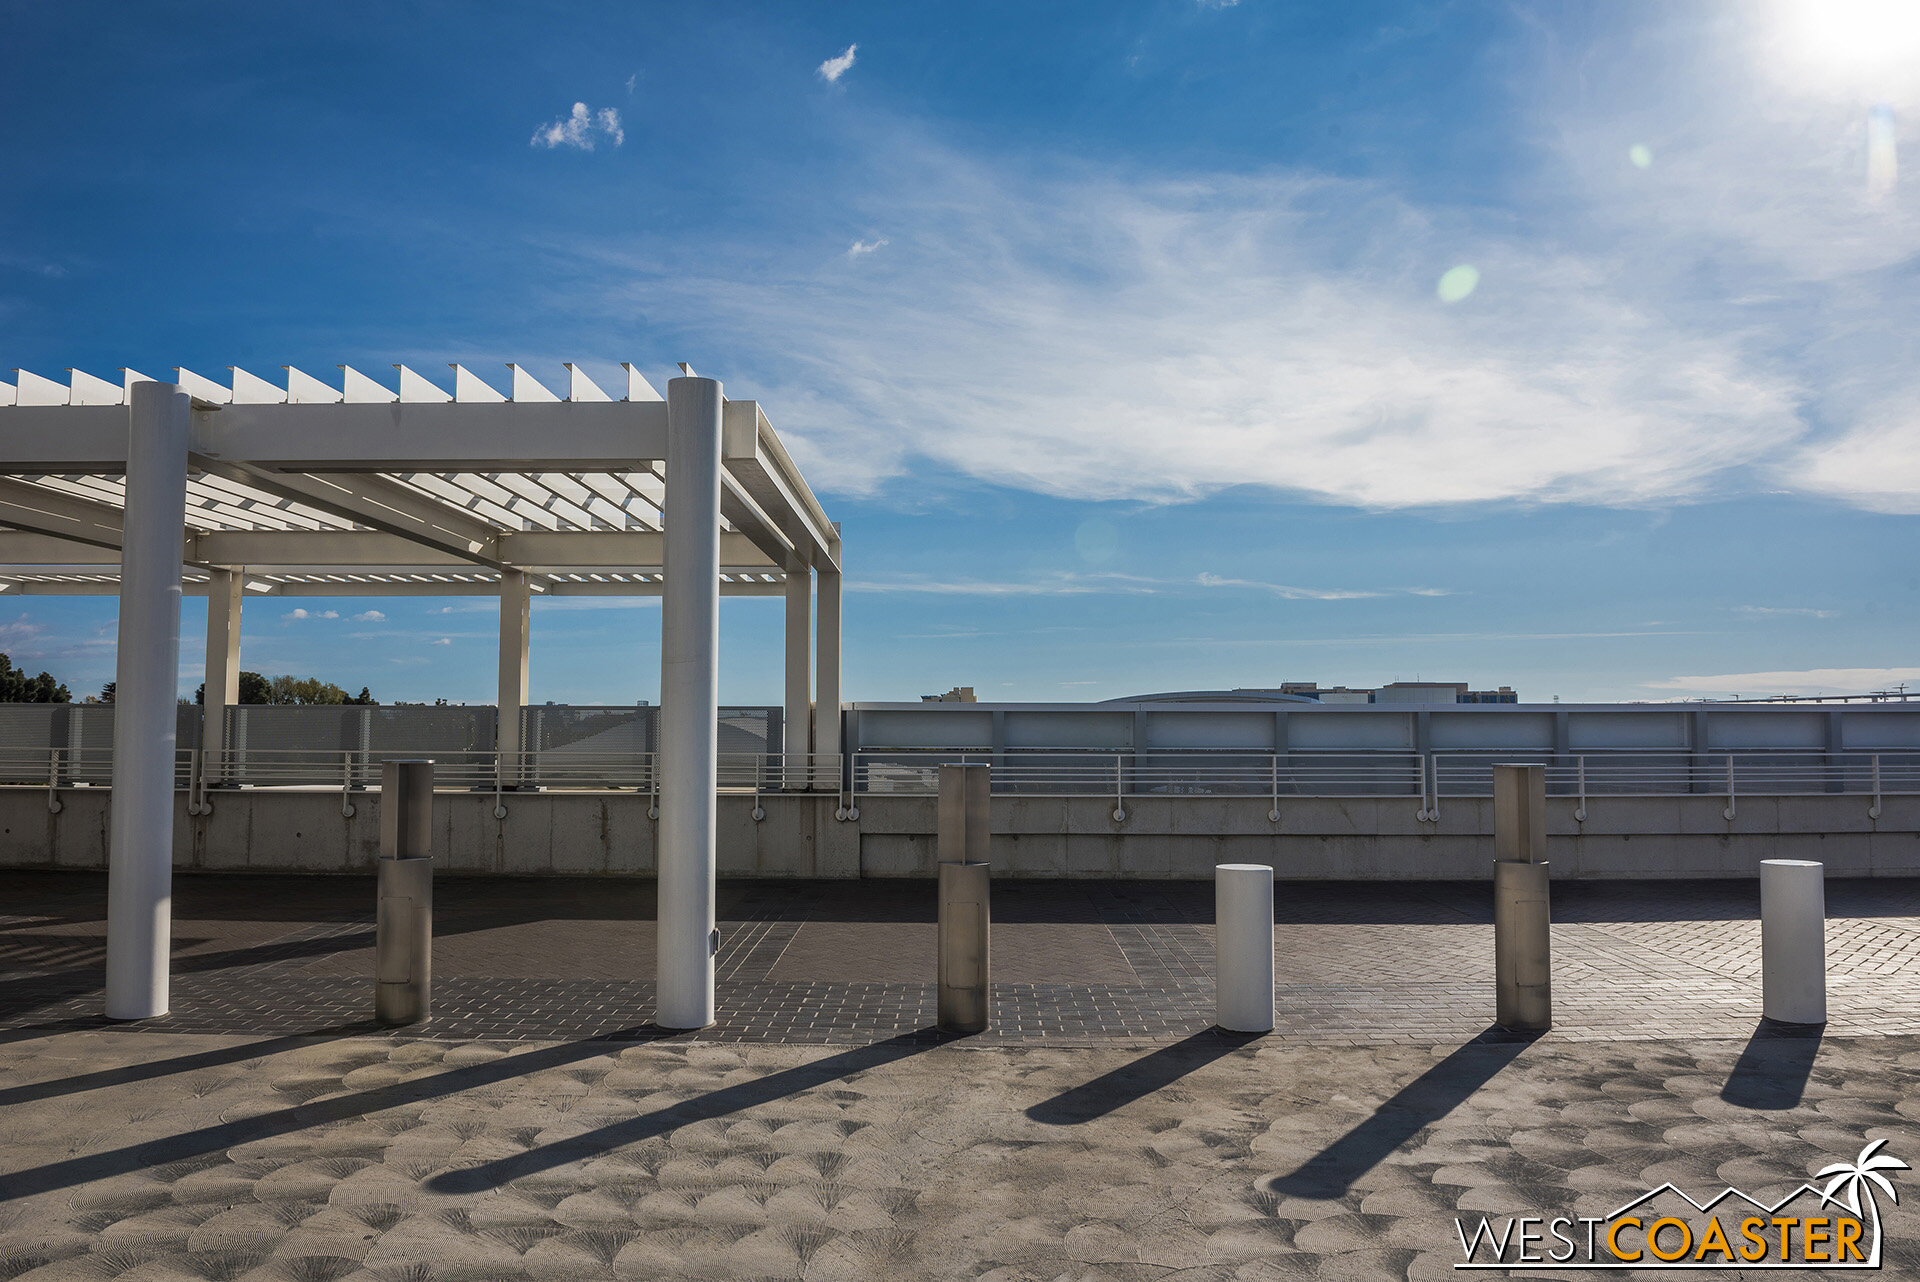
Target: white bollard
<point>1243,947</point>
<point>1793,941</point>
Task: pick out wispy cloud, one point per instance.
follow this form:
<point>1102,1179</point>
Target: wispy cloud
<point>442,641</point>
<point>1285,323</point>
<point>578,128</point>
<point>1778,610</point>
<point>1286,591</point>
<point>861,247</point>
<point>1802,681</point>
<point>833,68</point>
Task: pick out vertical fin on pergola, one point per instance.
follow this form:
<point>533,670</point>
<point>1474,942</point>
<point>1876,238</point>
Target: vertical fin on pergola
<point>7,394</point>
<point>128,377</point>
<point>85,389</point>
<point>582,388</point>
<point>638,388</point>
<point>357,389</point>
<point>470,389</point>
<point>305,389</point>
<point>251,389</point>
<point>528,388</point>
<point>416,389</point>
<point>35,390</point>
<point>202,389</point>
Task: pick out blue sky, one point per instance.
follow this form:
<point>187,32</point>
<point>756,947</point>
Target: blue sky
<point>1113,334</point>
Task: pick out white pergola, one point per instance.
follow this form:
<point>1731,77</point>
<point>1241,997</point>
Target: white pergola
<point>151,490</point>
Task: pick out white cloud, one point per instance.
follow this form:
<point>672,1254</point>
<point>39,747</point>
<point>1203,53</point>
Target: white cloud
<point>1775,610</point>
<point>608,118</point>
<point>833,68</point>
<point>1289,593</point>
<point>576,129</point>
<point>861,247</point>
<point>630,81</point>
<point>1802,681</point>
<point>1192,335</point>
<point>442,641</point>
<point>370,616</point>
<point>303,613</point>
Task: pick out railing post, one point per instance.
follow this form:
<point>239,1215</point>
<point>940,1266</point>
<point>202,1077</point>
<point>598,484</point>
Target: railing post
<point>1732,805</point>
<point>1874,812</point>
<point>54,805</point>
<point>1119,789</point>
<point>346,784</point>
<point>1273,815</point>
<point>1580,769</point>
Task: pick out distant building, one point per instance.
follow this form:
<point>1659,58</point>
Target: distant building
<point>1398,692</point>
<point>959,694</point>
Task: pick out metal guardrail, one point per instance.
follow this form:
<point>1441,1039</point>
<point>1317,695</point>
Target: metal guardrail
<point>1428,778</point>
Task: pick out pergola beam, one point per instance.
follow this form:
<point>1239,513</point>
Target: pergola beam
<point>378,503</point>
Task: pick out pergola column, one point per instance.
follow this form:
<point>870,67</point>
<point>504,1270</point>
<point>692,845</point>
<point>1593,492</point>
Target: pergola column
<point>224,593</point>
<point>515,617</point>
<point>147,673</point>
<point>689,704</point>
<point>826,725</point>
<point>799,700</point>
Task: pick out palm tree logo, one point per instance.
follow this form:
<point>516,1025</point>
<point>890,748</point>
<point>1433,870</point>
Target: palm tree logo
<point>1853,1180</point>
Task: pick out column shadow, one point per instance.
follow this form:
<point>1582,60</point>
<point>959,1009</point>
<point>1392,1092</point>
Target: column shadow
<point>1425,1100</point>
<point>1138,1078</point>
<point>1773,1068</point>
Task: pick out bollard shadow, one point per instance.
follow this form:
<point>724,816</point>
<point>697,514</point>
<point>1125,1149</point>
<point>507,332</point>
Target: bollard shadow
<point>1773,1068</point>
<point>1138,1078</point>
<point>1420,1103</point>
<point>714,1104</point>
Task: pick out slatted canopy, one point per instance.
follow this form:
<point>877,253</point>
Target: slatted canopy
<point>311,489</point>
<point>356,490</point>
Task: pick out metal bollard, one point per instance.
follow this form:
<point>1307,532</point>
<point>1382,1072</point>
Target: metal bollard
<point>1243,947</point>
<point>403,930</point>
<point>1793,941</point>
<point>965,897</point>
<point>1522,911</point>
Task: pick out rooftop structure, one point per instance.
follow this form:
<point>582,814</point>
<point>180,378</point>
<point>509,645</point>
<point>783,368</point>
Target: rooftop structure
<point>148,490</point>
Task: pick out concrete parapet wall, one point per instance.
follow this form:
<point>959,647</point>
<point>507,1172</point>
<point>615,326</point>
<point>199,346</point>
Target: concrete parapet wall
<point>1353,838</point>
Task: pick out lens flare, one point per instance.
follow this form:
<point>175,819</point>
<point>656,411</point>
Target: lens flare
<point>1641,155</point>
<point>1883,154</point>
<point>1457,282</point>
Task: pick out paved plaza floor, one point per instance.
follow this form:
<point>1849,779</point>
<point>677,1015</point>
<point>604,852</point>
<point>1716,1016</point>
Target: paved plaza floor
<point>539,1128</point>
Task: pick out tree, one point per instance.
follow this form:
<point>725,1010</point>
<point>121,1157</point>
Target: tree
<point>255,688</point>
<point>289,691</point>
<point>109,692</point>
<point>17,687</point>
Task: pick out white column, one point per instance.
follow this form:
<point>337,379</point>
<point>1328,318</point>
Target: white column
<point>689,703</point>
<point>1793,941</point>
<point>826,716</point>
<point>224,593</point>
<point>515,604</point>
<point>799,701</point>
<point>147,670</point>
<point>1243,947</point>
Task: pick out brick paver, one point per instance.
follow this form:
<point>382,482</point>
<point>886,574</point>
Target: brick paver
<point>848,962</point>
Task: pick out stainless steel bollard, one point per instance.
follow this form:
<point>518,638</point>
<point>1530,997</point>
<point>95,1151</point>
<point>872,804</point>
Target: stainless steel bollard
<point>965,897</point>
<point>1522,913</point>
<point>1793,941</point>
<point>403,929</point>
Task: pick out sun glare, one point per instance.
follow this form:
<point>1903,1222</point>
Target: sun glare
<point>1853,43</point>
